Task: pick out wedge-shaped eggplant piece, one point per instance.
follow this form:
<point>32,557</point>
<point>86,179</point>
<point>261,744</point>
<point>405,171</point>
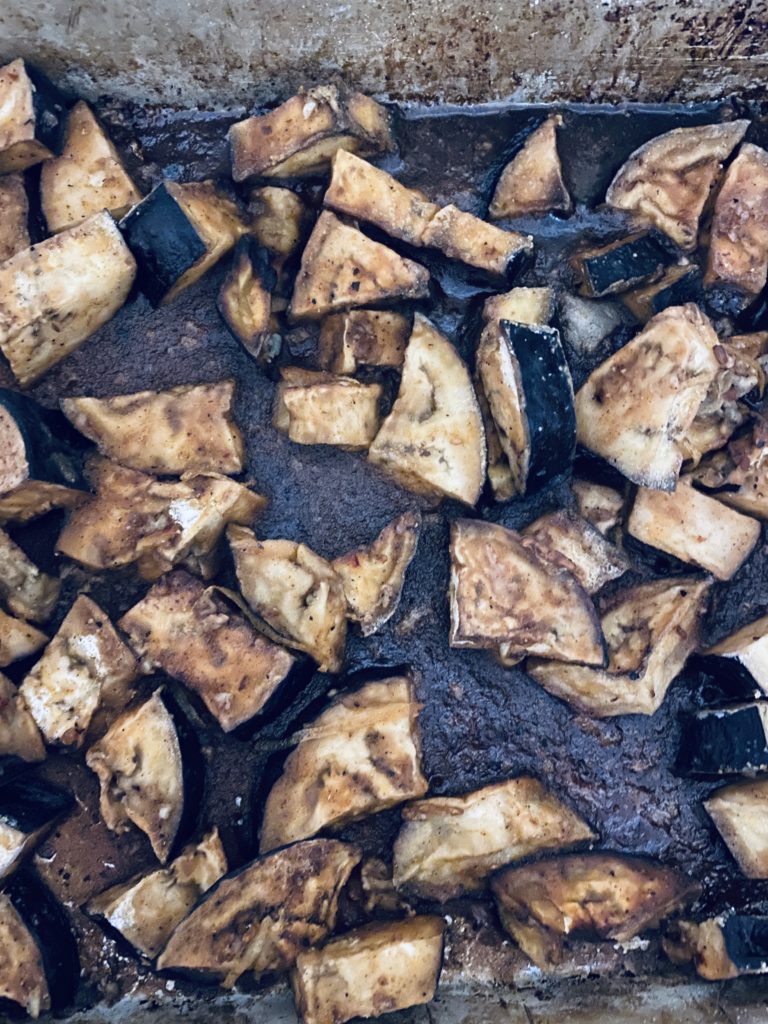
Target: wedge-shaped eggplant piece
<point>27,591</point>
<point>433,441</point>
<point>14,214</point>
<point>30,114</point>
<point>28,811</point>
<point>731,740</point>
<point>667,181</point>
<point>299,137</point>
<point>296,592</point>
<point>679,284</point>
<point>738,474</point>
<point>738,244</point>
<point>620,265</point>
<point>186,429</point>
<point>501,592</point>
<point>636,407</point>
<point>462,236</point>
<point>740,812</point>
<point>135,518</point>
<point>259,918</point>
<point>314,407</point>
<point>341,268</point>
<point>189,632</point>
<point>56,294</point>
<point>572,543</point>
<point>598,504</point>
<point>373,970</point>
<point>360,756</point>
<point>19,736</point>
<point>277,219</point>
<point>177,234</point>
<point>694,528</point>
<point>520,305</point>
<point>18,639</point>
<point>449,846</point>
<point>146,909</point>
<point>149,768</point>
<point>589,895</point>
<point>86,668</point>
<point>373,576</point>
<point>743,654</point>
<point>532,182</point>
<point>39,966</point>
<point>88,177</point>
<point>362,337</point>
<point>722,947</point>
<point>528,387</point>
<point>245,300</point>
<point>650,630</point>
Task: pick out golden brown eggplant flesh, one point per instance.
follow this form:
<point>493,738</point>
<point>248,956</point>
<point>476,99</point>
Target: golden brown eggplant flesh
<point>28,592</point>
<point>567,540</point>
<point>19,736</point>
<point>740,813</point>
<point>742,654</point>
<point>532,182</point>
<point>18,639</point>
<point>322,408</point>
<point>14,216</point>
<point>30,114</point>
<point>599,504</point>
<point>245,300</point>
<point>362,337</point>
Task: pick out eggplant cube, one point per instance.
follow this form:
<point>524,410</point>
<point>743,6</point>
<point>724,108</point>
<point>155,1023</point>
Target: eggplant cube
<point>321,408</point>
<point>725,741</point>
<point>29,119</point>
<point>28,810</point>
<point>565,539</point>
<point>598,504</point>
<point>277,219</point>
<point>362,337</point>
<point>743,654</point>
<point>531,306</point>
<point>18,639</point>
<point>462,236</point>
<point>621,265</point>
<point>245,300</point>
<point>740,812</point>
<point>20,739</point>
<point>532,182</point>
<point>14,214</point>
<point>30,593</point>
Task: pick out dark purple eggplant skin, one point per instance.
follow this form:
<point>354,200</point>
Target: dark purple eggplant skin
<point>27,804</point>
<point>746,940</point>
<point>711,745</point>
<point>53,448</point>
<point>193,771</point>
<point>687,288</point>
<point>50,107</point>
<point>630,263</point>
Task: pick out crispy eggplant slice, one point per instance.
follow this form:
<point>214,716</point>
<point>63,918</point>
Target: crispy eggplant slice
<point>177,234</point>
<point>277,219</point>
<point>321,408</point>
<point>27,591</point>
<point>296,592</point>
<point>572,543</point>
<point>88,177</point>
<point>146,909</point>
<point>245,300</point>
<point>520,305</point>
<point>28,811</point>
<point>620,265</point>
<point>667,181</point>
<point>362,337</point>
<point>678,284</point>
<point>186,429</point>
<point>373,576</point>
<point>14,214</point>
<point>37,451</point>
<point>259,918</point>
<point>56,294</point>
<point>18,639</point>
<point>532,182</point>
<point>191,634</point>
<point>135,518</point>
<point>462,236</point>
<point>740,812</point>
<point>590,895</point>
<point>598,504</point>
<point>636,407</point>
<point>299,138</point>
<point>694,528</point>
<point>433,441</point>
<point>650,630</point>
<point>722,947</point>
<point>738,475</point>
<point>86,667</point>
<point>449,846</point>
<point>19,736</point>
<point>743,654</point>
<point>148,768</point>
<point>360,756</point>
<point>376,969</point>
<point>501,592</point>
<point>342,268</point>
<point>731,740</point>
<point>30,114</point>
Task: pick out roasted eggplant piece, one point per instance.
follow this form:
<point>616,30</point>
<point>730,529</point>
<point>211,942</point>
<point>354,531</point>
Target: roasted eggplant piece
<point>738,474</point>
<point>149,769</point>
<point>146,909</point>
<point>589,895</point>
<point>88,177</point>
<point>296,592</point>
<point>18,639</point>
<point>259,918</point>
<point>520,305</point>
<point>177,234</point>
<point>722,947</point>
<point>14,214</point>
<point>28,811</point>
<point>360,756</point>
<point>27,591</point>
<point>298,138</point>
<point>500,475</point>
<point>694,528</point>
<point>245,300</point>
<point>567,540</point>
<point>679,284</point>
<point>20,739</point>
<point>373,576</point>
<point>56,294</point>
<point>743,655</point>
<point>462,236</point>
<point>730,740</point>
<point>156,524</point>
<point>449,846</point>
<point>30,114</point>
<point>620,265</point>
<point>529,390</point>
<point>667,181</point>
<point>598,504</point>
<point>650,630</point>
<point>39,967</point>
<point>277,219</point>
<point>587,325</point>
<point>85,668</point>
<point>501,592</point>
<point>637,407</point>
<point>740,812</point>
<point>341,268</point>
<point>186,429</point>
<point>314,407</point>
<point>362,337</point>
<point>189,632</point>
<point>373,970</point>
<point>532,182</point>
<point>433,441</point>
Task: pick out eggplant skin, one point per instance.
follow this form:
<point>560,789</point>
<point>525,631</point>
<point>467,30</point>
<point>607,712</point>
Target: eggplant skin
<point>595,895</point>
<point>738,246</point>
<point>678,285</point>
<point>14,214</point>
<point>726,741</point>
<point>743,654</point>
<point>28,811</point>
<point>260,917</point>
<point>532,182</point>
<point>30,118</point>
<point>621,265</point>
<point>37,445</point>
